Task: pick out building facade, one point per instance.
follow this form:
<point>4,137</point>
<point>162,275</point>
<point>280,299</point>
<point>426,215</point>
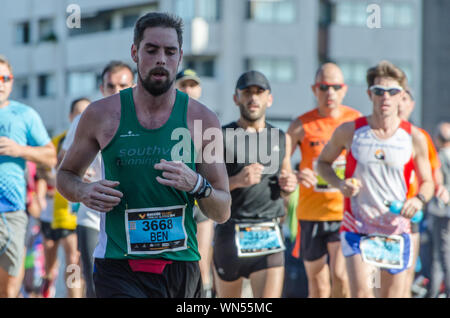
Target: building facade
<point>55,61</point>
<point>357,34</point>
<point>436,63</point>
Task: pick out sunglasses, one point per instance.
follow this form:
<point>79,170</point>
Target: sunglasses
<point>6,78</point>
<point>324,86</point>
<point>380,90</point>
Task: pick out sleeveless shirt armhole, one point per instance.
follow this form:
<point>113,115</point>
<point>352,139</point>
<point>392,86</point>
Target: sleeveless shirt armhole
<point>360,122</point>
<point>124,95</point>
<point>185,103</point>
<point>406,126</point>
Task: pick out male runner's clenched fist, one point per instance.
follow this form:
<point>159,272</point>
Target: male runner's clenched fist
<point>250,175</point>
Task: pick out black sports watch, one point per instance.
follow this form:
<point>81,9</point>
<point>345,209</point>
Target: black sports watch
<point>204,191</point>
<point>421,197</point>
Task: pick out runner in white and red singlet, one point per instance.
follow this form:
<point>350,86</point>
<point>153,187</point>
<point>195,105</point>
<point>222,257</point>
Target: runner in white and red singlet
<point>382,152</point>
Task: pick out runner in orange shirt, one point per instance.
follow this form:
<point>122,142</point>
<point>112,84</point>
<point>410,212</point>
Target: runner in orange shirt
<point>405,109</point>
<point>320,207</point>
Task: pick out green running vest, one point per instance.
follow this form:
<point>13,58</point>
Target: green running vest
<point>155,225</point>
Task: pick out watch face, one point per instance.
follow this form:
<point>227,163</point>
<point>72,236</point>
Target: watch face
<point>207,191</point>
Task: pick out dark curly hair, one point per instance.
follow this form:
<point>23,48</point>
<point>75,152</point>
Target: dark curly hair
<point>158,19</point>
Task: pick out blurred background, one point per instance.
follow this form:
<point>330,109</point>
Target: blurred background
<point>55,62</point>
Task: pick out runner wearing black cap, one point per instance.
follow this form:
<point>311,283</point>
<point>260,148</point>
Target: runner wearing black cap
<point>250,244</point>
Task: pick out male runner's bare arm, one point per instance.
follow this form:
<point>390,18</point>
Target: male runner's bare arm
<point>287,179</point>
<point>234,182</point>
<point>440,191</point>
<point>218,205</point>
<point>424,174</point>
<point>341,139</point>
<point>181,177</point>
<point>438,177</point>
<point>248,176</point>
<point>296,134</point>
<point>100,195</point>
<point>307,177</point>
<point>42,155</point>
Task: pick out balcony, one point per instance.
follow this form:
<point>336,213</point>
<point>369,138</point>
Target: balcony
<point>99,48</point>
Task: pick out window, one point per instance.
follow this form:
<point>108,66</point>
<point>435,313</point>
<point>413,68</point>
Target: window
<point>325,13</point>
<point>271,11</point>
<point>190,9</point>
<point>388,15</point>
<point>203,65</point>
<point>393,14</point>
<point>101,21</point>
<point>21,88</point>
<point>343,14</point>
<point>131,14</point>
<point>354,72</point>
<point>82,83</point>
<point>280,70</point>
<point>350,13</point>
<point>22,31</point>
<point>208,9</point>
<point>185,9</point>
<point>408,69</point>
<point>397,14</point>
<point>129,20</point>
<point>46,85</point>
<point>98,22</point>
<point>46,30</point>
<point>405,15</point>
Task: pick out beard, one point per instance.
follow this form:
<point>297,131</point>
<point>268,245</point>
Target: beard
<point>156,88</point>
<point>249,116</point>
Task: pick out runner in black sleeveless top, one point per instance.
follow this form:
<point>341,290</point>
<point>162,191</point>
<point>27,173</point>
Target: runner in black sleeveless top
<point>250,244</point>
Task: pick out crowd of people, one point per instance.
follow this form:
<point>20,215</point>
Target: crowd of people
<point>142,213</point>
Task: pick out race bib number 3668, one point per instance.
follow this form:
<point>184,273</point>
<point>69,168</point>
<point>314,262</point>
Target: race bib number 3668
<point>155,230</point>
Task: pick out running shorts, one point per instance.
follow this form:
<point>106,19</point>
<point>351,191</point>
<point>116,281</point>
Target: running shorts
<point>229,265</point>
<point>114,278</point>
<point>314,237</point>
<point>13,226</point>
<point>54,234</point>
<point>351,246</point>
